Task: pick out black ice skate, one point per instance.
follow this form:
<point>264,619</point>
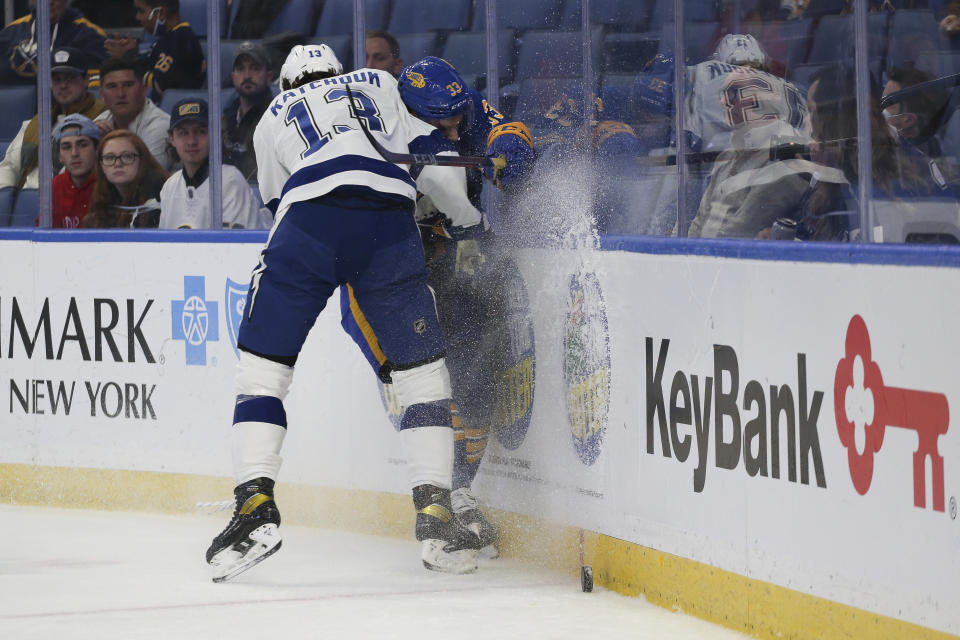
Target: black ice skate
<point>468,514</point>
<point>446,544</point>
<point>251,536</point>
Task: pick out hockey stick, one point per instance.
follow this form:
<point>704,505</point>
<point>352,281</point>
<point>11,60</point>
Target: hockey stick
<point>946,82</point>
<point>477,162</point>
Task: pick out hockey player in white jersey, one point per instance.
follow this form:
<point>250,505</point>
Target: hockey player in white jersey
<point>735,106</point>
<point>343,214</point>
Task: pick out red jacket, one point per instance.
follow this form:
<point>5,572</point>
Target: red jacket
<point>70,203</point>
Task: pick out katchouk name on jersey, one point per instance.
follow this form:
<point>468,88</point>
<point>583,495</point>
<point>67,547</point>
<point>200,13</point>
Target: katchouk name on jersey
<point>86,328</point>
<point>358,78</point>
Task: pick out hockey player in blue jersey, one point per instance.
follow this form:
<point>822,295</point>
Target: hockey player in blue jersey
<point>342,214</point>
<point>469,296</point>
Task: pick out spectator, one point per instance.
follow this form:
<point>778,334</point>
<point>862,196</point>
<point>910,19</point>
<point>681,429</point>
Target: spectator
<point>915,114</point>
<point>175,60</point>
<point>75,139</point>
<point>254,17</point>
<point>901,174</point>
<point>18,42</point>
<point>129,180</point>
<point>185,198</point>
<point>251,78</point>
<point>70,95</point>
<point>383,52</point>
<point>128,107</point>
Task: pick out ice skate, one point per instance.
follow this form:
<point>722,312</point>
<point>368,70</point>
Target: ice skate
<point>252,535</point>
<point>446,545</point>
<point>467,512</point>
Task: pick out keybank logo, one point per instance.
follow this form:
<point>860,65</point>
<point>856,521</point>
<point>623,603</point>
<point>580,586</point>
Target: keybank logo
<point>195,320</point>
<point>865,407</point>
<point>749,420</point>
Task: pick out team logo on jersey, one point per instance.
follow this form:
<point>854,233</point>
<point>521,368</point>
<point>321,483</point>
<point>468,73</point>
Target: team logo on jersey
<point>516,375</point>
<point>586,365</point>
<point>235,297</point>
<point>416,79</point>
<point>419,326</point>
<point>195,320</point>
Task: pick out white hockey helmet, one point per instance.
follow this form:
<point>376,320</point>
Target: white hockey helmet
<point>305,59</point>
<point>741,49</point>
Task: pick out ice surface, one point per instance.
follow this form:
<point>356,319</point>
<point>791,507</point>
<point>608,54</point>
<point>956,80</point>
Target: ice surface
<point>89,574</point>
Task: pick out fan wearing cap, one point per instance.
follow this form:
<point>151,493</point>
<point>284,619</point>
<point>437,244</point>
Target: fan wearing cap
<point>252,74</point>
<point>69,28</point>
<point>185,197</point>
<point>75,140</point>
<point>70,95</point>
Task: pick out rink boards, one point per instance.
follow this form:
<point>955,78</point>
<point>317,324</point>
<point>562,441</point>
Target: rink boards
<point>760,436</point>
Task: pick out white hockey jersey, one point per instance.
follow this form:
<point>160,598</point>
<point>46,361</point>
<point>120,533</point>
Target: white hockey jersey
<point>308,143</point>
<point>731,106</point>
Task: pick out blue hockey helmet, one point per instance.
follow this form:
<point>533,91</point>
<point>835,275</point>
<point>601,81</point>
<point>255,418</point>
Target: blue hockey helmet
<point>433,90</point>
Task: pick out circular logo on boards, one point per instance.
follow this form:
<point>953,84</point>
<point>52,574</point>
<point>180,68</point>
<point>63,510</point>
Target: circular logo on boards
<point>586,365</point>
<point>516,375</point>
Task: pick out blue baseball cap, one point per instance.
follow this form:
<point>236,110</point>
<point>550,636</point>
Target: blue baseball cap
<point>189,110</point>
<point>76,124</point>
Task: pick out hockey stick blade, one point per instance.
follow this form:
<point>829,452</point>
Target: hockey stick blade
<point>478,162</point>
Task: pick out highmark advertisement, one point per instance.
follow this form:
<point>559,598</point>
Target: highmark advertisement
<point>786,421</point>
<point>123,356</point>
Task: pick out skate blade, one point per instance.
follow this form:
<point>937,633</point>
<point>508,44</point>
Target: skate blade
<point>230,563</point>
<point>458,562</point>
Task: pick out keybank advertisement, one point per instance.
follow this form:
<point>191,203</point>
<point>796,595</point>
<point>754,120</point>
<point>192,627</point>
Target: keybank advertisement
<point>798,423</point>
<point>123,356</point>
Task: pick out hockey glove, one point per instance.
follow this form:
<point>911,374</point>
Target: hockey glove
<point>512,143</point>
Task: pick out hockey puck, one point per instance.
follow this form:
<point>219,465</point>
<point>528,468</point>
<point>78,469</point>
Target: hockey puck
<point>586,578</point>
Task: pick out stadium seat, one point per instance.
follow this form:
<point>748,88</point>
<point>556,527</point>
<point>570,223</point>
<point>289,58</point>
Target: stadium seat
<point>299,16</point>
<point>619,15</point>
<point>195,13</point>
<point>342,46</point>
<point>336,18</point>
<point>700,39</point>
<point>414,46</point>
<point>25,209</point>
<point>6,205</point>
<point>172,96</point>
<point>467,51</point>
<point>914,35</point>
<point>832,40</point>
<point>18,104</point>
<point>552,54</point>
<point>415,16</point>
<point>627,52</point>
<point>800,75</point>
<point>694,11</point>
<point>520,14</point>
<point>616,91</point>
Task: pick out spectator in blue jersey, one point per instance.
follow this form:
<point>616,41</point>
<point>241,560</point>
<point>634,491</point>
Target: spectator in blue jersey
<point>175,60</point>
<point>251,76</point>
<point>18,42</point>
